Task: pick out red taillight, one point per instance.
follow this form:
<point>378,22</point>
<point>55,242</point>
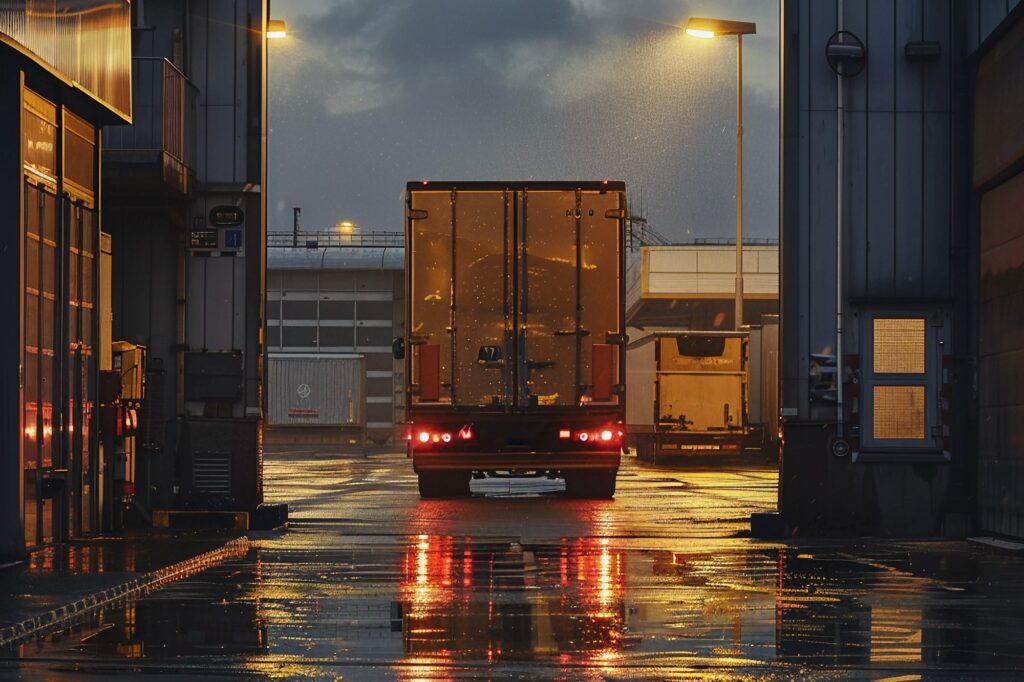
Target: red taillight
<point>424,436</point>
<point>466,433</point>
<point>446,437</point>
<point>609,434</point>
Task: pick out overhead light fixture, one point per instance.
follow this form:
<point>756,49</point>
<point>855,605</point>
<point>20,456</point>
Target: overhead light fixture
<point>701,27</point>
<point>276,28</point>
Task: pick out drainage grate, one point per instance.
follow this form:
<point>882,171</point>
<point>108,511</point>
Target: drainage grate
<point>211,472</point>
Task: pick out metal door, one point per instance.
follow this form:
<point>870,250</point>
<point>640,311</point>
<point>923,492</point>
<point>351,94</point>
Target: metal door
<point>460,298</point>
<point>482,333</point>
<point>549,323</point>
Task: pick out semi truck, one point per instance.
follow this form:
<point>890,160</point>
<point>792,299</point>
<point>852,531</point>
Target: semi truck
<point>687,394</point>
<point>515,339</point>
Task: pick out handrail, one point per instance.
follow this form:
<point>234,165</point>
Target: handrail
<point>328,238</point>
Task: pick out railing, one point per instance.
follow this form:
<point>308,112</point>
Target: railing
<point>731,241</point>
<point>317,240</point>
<point>164,118</point>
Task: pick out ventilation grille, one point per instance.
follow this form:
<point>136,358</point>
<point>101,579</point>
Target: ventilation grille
<point>899,412</point>
<point>211,472</point>
<point>899,346</point>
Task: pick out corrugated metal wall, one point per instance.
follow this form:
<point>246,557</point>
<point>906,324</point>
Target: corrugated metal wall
<point>906,247</point>
<point>999,177</point>
<point>224,61</point>
<point>88,41</point>
<point>315,390</point>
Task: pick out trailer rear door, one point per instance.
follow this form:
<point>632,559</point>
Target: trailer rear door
<point>570,279</point>
<point>459,308</point>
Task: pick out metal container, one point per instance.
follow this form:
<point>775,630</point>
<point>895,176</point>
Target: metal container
<point>763,405</point>
<point>316,390</point>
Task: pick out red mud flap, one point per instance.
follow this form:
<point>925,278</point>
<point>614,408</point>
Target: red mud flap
<point>602,370</point>
<point>430,373</point>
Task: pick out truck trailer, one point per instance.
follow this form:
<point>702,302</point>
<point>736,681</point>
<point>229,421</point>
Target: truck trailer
<point>687,394</point>
<point>515,333</point>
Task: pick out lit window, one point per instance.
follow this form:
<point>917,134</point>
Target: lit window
<point>899,345</point>
<point>898,412</point>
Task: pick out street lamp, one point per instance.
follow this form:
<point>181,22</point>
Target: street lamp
<point>712,28</point>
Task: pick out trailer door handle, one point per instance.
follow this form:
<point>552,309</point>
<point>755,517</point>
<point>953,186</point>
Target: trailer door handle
<point>540,364</point>
<point>572,332</point>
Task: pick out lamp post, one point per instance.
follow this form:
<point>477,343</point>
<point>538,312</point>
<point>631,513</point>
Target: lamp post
<point>712,28</point>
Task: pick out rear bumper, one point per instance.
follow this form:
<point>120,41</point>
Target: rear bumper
<point>514,461</point>
<point>693,443</point>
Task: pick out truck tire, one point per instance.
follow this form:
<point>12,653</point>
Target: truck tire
<point>645,447</point>
<point>440,484</point>
<point>596,484</point>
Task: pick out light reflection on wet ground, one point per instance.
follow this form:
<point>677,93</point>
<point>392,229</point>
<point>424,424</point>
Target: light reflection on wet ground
<point>563,600</point>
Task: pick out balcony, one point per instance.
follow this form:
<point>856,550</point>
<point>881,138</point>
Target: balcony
<point>153,156</point>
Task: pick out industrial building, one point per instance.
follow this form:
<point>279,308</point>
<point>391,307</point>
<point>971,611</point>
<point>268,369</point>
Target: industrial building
<point>901,159</point>
<point>65,71</point>
<point>332,295</point>
<point>693,286</point>
<point>185,208</point>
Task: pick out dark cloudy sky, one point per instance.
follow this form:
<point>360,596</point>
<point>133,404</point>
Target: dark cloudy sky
<point>367,94</point>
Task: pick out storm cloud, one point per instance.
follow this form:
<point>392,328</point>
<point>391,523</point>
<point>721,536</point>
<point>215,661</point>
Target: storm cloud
<point>365,95</point>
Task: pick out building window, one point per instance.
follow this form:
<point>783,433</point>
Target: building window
<point>901,384</point>
<point>898,412</point>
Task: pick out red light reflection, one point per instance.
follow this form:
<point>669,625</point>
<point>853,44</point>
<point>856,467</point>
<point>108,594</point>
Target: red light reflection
<point>498,600</point>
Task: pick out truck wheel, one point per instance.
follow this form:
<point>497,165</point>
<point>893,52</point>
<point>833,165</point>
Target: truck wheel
<point>590,485</point>
<point>438,484</point>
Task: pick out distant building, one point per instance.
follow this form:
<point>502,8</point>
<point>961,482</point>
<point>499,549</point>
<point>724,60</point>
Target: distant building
<point>693,286</point>
<point>342,295</point>
<point>65,71</point>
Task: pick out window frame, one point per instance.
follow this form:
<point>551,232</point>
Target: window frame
<point>930,448</point>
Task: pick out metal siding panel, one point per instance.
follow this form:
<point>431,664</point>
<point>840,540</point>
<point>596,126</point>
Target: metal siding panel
<point>856,205</point>
<point>822,81</point>
<point>936,203</point>
<point>998,135</point>
<point>909,172</point>
<point>803,55</point>
<point>221,36</point>
<point>716,261</point>
<point>197,42</point>
<point>219,153</point>
<point>768,262</point>
<point>937,75</point>
<point>822,238</point>
<point>803,280</point>
<point>672,260</point>
<point>238,333</point>
<point>195,312</point>
<point>219,299</point>
<point>990,14</point>
<point>907,74</point>
<point>879,43</point>
<point>856,22</point>
<point>880,203</point>
<point>330,387</point>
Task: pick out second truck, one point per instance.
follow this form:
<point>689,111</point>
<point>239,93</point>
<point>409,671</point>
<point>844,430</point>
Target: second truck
<point>515,335</point>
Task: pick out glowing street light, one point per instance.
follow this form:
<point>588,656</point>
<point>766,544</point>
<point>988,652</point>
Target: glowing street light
<point>700,33</point>
<point>712,28</point>
<point>276,28</point>
<point>346,227</point>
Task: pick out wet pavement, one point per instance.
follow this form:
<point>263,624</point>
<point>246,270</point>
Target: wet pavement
<point>518,582</point>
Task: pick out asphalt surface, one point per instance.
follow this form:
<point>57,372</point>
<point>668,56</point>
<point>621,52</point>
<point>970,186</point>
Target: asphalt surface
<point>518,582</point>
